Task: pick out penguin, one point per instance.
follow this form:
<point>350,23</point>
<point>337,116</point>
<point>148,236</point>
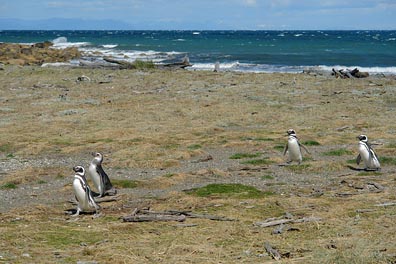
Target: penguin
<point>99,176</point>
<point>86,202</point>
<point>293,147</point>
<point>367,154</point>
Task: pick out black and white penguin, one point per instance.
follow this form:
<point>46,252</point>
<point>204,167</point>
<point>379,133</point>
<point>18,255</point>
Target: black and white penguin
<point>293,147</point>
<point>367,154</point>
<point>86,202</point>
<point>99,176</point>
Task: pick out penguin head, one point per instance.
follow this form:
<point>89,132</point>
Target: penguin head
<point>363,138</point>
<point>98,158</point>
<point>291,132</point>
<point>79,170</point>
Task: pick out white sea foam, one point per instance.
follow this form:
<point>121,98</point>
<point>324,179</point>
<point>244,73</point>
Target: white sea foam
<point>109,46</point>
<point>62,43</point>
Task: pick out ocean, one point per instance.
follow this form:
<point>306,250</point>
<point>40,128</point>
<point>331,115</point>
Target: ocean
<point>251,51</point>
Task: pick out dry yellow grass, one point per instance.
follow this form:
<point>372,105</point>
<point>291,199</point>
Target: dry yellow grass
<point>153,126</point>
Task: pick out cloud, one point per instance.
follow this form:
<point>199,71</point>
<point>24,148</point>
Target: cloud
<point>250,2</point>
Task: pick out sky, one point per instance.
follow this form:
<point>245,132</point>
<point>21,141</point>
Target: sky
<point>200,14</point>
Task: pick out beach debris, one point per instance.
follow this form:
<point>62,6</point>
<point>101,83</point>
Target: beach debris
<point>285,220</point>
<point>217,67</point>
<point>272,252</point>
<point>147,215</point>
<point>355,73</point>
<point>178,65</point>
<point>83,78</point>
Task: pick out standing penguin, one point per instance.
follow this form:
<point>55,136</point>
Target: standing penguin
<point>367,154</point>
<point>293,147</point>
<point>99,176</point>
<point>83,193</point>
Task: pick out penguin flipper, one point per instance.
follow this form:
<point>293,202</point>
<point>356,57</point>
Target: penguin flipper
<point>302,146</point>
<point>285,149</point>
<point>105,180</point>
<point>358,159</point>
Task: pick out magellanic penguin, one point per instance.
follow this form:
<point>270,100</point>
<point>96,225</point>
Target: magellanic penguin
<point>99,176</point>
<point>86,202</point>
<point>367,154</point>
<point>293,147</point>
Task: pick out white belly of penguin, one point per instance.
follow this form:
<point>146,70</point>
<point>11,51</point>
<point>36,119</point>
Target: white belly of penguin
<point>81,196</point>
<point>95,178</point>
<point>370,163</point>
<point>294,150</point>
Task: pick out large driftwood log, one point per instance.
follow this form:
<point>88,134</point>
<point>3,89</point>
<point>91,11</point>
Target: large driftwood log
<point>122,64</point>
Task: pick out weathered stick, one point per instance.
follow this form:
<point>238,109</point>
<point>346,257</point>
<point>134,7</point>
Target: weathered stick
<point>386,204</point>
<point>272,252</point>
<point>285,221</point>
<point>153,218</point>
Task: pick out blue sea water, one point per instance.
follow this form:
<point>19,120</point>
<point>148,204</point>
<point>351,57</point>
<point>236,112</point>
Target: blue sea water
<point>259,51</point>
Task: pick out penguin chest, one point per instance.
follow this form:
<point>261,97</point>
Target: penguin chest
<point>80,194</point>
<point>364,154</point>
<point>294,150</point>
<point>95,177</point>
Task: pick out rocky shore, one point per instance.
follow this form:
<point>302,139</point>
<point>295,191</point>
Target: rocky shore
<point>35,54</point>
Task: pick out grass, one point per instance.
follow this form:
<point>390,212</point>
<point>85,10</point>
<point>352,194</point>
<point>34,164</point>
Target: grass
<point>9,185</point>
<point>258,162</point>
<point>245,155</point>
<point>137,121</point>
<point>337,152</point>
<point>194,147</point>
<point>143,65</point>
<point>311,143</point>
<point>387,160</point>
<point>126,184</point>
<point>229,190</point>
<point>298,168</point>
<point>267,177</point>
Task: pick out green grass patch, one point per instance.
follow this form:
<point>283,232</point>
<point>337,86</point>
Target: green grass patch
<point>337,152</point>
<point>369,173</point>
<point>279,147</point>
<point>298,168</point>
<point>258,162</point>
<point>5,148</point>
<point>351,161</point>
<point>267,177</point>
<point>245,155</point>
<point>194,147</point>
<point>311,143</point>
<point>10,155</point>
<point>143,65</point>
<point>169,175</point>
<point>387,160</point>
<point>229,190</point>
<point>41,182</point>
<point>9,185</point>
<point>125,184</point>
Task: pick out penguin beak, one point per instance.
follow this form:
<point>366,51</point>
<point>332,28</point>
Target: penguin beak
<point>93,154</point>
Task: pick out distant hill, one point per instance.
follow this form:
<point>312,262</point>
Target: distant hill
<point>62,24</point>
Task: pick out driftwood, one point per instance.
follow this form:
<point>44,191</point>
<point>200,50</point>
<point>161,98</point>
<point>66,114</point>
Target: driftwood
<point>122,64</point>
<point>272,252</point>
<point>355,73</point>
<point>268,223</point>
<point>146,215</point>
<point>178,65</point>
<point>387,204</point>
